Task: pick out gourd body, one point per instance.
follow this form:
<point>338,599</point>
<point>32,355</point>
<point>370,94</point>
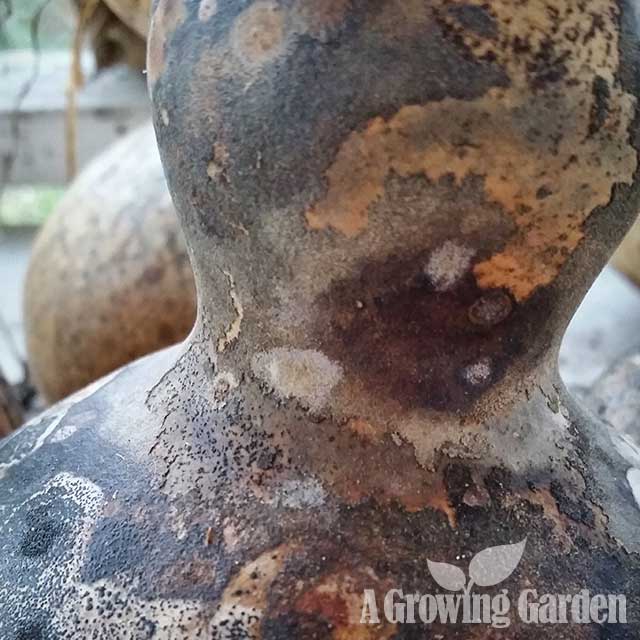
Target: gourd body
<point>393,209</point>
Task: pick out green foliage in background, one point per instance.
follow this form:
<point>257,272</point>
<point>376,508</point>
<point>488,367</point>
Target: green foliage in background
<point>30,205</point>
<point>17,19</point>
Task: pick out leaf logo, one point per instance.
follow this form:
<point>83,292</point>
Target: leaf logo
<point>448,576</point>
<point>486,569</point>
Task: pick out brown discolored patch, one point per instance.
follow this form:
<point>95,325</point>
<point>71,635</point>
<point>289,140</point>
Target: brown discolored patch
<point>167,17</point>
<point>258,34</point>
<point>544,499</point>
<point>523,141</point>
<point>244,599</point>
<point>364,429</point>
<point>250,586</point>
<point>358,469</point>
<point>421,347</point>
<point>438,499</point>
<point>217,167</point>
<point>337,598</point>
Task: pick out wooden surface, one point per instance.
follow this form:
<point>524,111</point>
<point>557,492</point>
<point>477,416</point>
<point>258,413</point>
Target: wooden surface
<point>32,121</point>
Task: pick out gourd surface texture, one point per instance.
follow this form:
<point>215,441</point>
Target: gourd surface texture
<point>393,208</point>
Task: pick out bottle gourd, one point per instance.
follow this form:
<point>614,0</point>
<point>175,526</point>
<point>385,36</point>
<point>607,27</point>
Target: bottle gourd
<point>393,208</point>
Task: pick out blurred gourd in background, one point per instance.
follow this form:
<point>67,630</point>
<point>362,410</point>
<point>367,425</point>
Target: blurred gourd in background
<point>627,258</point>
<point>134,13</point>
<point>117,30</point>
<point>109,279</point>
<point>10,408</point>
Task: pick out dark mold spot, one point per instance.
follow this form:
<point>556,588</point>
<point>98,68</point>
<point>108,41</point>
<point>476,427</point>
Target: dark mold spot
<point>600,108</point>
<point>41,530</point>
<point>295,625</point>
<point>547,66</point>
<point>116,545</point>
<point>543,192</point>
<point>32,631</point>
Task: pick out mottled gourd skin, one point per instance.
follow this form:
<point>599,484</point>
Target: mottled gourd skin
<point>109,279</point>
<point>393,208</point>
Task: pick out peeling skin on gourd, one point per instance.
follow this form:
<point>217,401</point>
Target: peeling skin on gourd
<point>549,180</point>
<point>233,331</point>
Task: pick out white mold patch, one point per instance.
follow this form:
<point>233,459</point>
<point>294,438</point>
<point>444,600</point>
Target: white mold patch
<point>77,609</point>
<point>301,494</point>
<point>72,504</point>
<point>207,9</point>
<point>478,373</point>
<point>305,375</point>
<point>63,433</point>
<point>633,478</point>
<point>223,384</point>
<point>448,264</point>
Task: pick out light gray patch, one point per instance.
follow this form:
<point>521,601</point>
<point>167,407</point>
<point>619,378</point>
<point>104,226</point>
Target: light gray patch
<point>448,264</point>
<point>303,374</point>
<point>301,494</point>
<point>626,447</point>
<point>633,478</point>
<point>207,9</point>
<point>63,433</point>
<point>478,373</point>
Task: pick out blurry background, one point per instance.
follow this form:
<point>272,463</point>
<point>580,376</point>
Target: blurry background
<point>24,26</point>
<point>71,83</point>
